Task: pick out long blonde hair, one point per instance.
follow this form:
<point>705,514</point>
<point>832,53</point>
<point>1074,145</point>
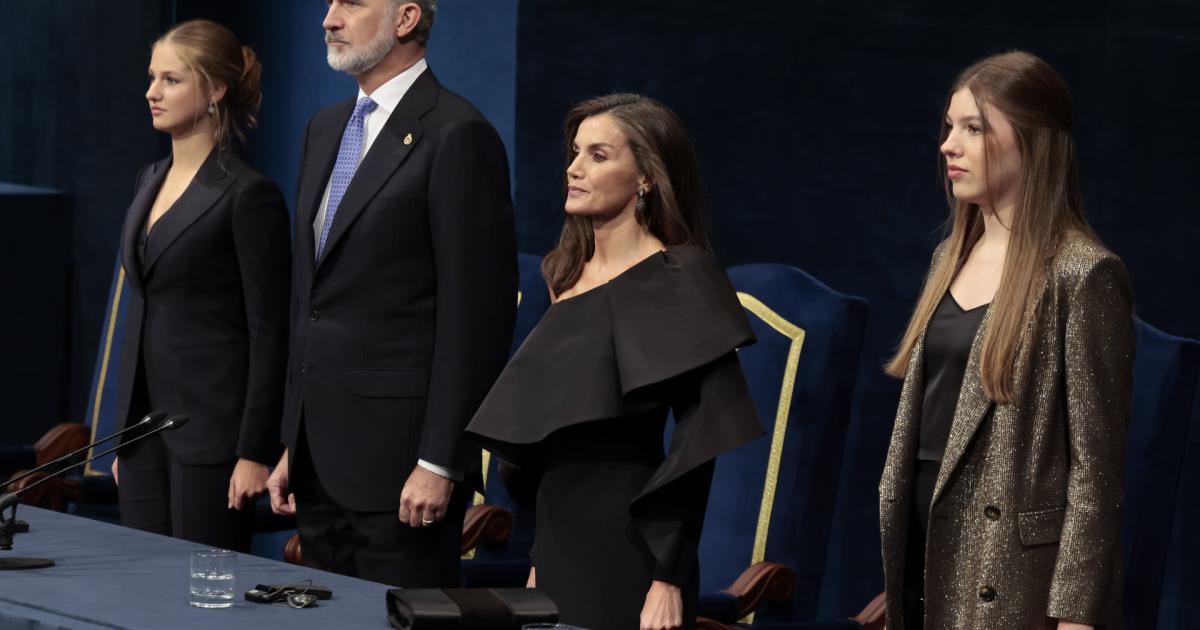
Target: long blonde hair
<point>1049,205</point>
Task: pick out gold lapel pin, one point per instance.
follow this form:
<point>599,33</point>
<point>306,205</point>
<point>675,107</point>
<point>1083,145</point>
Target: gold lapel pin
<point>408,139</point>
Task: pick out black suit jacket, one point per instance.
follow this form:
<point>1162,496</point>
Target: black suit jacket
<point>206,323</point>
<point>399,330</point>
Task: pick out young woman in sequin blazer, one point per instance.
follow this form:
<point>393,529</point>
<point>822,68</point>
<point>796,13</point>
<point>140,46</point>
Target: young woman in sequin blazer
<point>1000,502</point>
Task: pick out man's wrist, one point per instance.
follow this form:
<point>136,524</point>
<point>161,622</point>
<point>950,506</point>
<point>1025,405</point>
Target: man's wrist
<point>441,471</point>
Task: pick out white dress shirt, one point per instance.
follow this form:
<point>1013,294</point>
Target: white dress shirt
<point>387,98</point>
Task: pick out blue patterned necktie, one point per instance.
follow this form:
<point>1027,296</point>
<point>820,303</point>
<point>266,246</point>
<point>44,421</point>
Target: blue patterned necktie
<point>347,163</point>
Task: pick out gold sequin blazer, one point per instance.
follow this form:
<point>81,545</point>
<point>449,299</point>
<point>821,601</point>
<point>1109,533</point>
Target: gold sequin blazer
<point>1026,516</point>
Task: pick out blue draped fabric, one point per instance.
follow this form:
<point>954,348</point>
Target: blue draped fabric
<point>107,576</point>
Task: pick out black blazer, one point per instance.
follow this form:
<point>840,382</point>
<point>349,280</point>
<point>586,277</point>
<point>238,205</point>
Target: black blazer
<point>398,332</point>
<point>206,323</point>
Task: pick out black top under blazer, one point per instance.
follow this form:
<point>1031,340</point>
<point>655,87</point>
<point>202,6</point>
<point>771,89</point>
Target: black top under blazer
<point>398,332</point>
<point>205,331</point>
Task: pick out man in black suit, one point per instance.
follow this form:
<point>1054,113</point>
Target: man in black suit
<point>404,298</point>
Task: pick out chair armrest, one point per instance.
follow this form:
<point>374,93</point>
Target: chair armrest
<point>52,495</point>
<point>874,615</point>
<point>291,550</point>
<point>763,582</point>
<point>485,523</point>
<point>60,440</point>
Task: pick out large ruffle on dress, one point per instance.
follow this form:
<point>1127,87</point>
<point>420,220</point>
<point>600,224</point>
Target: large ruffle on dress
<point>579,414</point>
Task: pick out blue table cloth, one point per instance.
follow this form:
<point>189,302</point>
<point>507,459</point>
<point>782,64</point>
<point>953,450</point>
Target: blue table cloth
<point>107,576</point>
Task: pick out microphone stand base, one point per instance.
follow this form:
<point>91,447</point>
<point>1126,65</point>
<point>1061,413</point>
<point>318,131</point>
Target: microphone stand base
<point>20,564</point>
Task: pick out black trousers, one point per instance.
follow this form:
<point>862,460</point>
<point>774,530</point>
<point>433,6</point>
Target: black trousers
<point>159,494</point>
<point>374,546</point>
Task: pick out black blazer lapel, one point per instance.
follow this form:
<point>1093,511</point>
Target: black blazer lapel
<point>202,193</point>
<point>397,139</point>
<point>135,219</point>
<point>314,176</point>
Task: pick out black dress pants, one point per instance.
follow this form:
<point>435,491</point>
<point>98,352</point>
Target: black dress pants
<point>374,546</point>
<point>159,494</point>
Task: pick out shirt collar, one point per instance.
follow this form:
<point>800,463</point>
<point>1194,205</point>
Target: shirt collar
<point>388,95</point>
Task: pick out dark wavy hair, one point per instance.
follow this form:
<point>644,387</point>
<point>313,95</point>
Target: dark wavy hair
<point>663,152</point>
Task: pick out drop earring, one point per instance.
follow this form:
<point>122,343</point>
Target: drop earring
<point>641,201</point>
<point>212,108</point>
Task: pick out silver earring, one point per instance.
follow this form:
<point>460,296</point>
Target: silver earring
<point>641,202</point>
<point>212,108</point>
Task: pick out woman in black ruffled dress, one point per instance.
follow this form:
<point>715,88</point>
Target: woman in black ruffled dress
<point>643,321</point>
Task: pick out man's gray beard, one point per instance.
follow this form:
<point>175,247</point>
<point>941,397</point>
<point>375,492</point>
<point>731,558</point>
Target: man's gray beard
<point>359,59</point>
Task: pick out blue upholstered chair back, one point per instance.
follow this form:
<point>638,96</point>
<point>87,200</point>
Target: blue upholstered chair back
<point>1162,481</point>
<point>102,398</point>
<point>773,498</point>
<point>533,300</point>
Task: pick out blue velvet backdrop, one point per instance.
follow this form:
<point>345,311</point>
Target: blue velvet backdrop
<point>72,117</point>
<point>815,123</point>
<point>816,127</point>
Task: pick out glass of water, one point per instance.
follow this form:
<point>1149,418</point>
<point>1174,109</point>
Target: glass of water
<point>212,582</point>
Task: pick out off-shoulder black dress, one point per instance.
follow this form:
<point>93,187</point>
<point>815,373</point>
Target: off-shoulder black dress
<point>579,414</point>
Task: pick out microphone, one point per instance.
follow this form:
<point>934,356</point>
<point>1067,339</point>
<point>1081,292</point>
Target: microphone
<point>12,498</point>
<point>150,418</point>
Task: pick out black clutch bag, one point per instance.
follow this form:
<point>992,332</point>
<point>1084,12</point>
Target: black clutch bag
<point>468,608</point>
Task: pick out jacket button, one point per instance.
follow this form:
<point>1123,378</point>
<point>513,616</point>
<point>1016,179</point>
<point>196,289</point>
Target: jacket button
<point>314,315</point>
<point>303,368</point>
<point>987,593</point>
<point>992,512</point>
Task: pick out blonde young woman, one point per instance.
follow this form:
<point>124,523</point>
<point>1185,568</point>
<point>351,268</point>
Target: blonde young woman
<point>206,250</point>
<point>1000,502</point>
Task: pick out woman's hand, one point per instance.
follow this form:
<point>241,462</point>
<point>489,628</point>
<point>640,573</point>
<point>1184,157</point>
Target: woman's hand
<point>116,476</point>
<point>282,501</point>
<point>532,581</point>
<point>249,480</point>
<point>663,609</point>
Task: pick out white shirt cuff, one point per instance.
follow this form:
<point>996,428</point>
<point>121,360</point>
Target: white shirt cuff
<point>448,473</point>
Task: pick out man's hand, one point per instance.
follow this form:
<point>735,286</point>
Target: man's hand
<point>425,497</point>
<point>1071,625</point>
<point>116,475</point>
<point>249,480</point>
<point>282,501</point>
<point>663,609</point>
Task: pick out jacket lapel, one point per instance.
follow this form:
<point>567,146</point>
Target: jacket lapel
<point>135,219</point>
<point>972,406</point>
<point>395,142</point>
<point>325,142</point>
<point>896,481</point>
<point>202,193</point>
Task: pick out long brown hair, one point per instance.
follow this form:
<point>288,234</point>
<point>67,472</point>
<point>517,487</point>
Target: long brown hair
<point>1049,205</point>
<point>216,56</point>
<point>674,206</point>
